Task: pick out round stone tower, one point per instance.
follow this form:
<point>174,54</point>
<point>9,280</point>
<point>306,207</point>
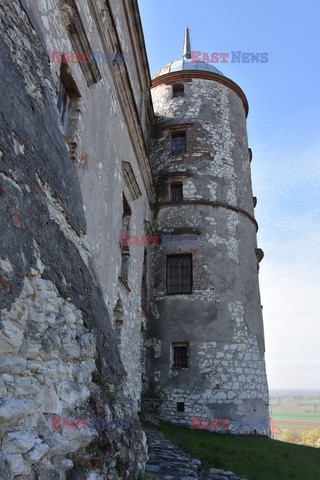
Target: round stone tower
<point>205,340</point>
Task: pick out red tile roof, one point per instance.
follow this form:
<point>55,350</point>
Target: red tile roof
<point>274,429</point>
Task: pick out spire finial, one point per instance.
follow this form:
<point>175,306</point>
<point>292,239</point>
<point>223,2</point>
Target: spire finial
<point>186,45</point>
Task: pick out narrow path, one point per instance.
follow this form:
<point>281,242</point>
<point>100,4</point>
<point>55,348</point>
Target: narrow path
<point>168,462</point>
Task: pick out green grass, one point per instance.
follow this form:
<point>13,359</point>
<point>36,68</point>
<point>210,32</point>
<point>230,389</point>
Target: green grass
<point>255,457</point>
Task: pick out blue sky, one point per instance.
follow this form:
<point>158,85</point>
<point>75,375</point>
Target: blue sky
<point>284,134</point>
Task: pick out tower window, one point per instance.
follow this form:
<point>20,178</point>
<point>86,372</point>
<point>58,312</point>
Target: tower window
<point>179,274</point>
<point>180,355</point>
<point>176,192</point>
<point>178,91</point>
<point>178,142</point>
<point>180,406</point>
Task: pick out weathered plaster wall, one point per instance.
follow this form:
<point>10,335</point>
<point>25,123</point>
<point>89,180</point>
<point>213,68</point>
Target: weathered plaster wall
<point>59,261</point>
<point>221,320</point>
<point>103,138</point>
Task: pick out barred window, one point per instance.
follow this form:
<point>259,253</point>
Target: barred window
<point>178,91</point>
<point>179,274</point>
<point>176,192</point>
<point>178,142</point>
<point>180,355</point>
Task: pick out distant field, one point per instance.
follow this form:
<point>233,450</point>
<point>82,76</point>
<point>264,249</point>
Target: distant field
<point>295,417</point>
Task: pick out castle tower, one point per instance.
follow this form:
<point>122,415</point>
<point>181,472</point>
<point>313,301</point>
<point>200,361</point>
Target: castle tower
<point>205,340</point>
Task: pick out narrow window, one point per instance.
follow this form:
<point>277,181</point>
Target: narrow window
<point>118,316</point>
<point>176,192</point>
<point>144,289</point>
<point>180,355</point>
<point>63,103</point>
<point>180,406</point>
<point>178,91</point>
<point>125,262</point>
<point>125,230</point>
<point>67,93</point>
<point>178,142</point>
<point>179,274</point>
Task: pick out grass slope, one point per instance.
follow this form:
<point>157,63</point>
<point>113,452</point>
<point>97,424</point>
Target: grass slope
<point>255,457</point>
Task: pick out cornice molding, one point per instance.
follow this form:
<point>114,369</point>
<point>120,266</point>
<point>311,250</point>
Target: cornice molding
<point>106,28</point>
<point>80,42</point>
<point>130,180</point>
<point>161,205</point>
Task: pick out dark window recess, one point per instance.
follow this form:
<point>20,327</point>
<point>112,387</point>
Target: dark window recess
<point>144,289</point>
<point>176,192</point>
<point>125,230</point>
<point>179,274</point>
<point>178,91</point>
<point>178,142</point>
<point>180,356</point>
<point>63,103</point>
<point>180,406</point>
<point>126,218</point>
<point>125,262</point>
<point>67,93</point>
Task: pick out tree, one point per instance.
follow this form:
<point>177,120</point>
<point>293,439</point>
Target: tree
<point>310,437</point>
<point>290,436</point>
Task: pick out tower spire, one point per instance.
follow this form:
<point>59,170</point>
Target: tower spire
<point>186,45</point>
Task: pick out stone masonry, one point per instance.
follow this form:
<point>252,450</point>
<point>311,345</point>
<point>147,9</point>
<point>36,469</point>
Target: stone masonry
<point>62,189</point>
<point>86,324</point>
<point>219,322</point>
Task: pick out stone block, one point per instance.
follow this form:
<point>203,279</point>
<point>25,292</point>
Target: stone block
<point>18,442</point>
<point>11,337</point>
<point>17,464</point>
<point>14,409</point>
<point>12,365</point>
<point>39,449</point>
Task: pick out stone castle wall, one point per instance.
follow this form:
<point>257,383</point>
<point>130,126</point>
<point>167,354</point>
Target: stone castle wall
<point>72,318</point>
<point>61,203</point>
<point>221,320</point>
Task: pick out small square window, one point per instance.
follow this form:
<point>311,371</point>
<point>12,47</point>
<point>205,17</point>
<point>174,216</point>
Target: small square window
<point>180,355</point>
<point>180,406</point>
<point>178,91</point>
<point>176,192</point>
<point>178,142</point>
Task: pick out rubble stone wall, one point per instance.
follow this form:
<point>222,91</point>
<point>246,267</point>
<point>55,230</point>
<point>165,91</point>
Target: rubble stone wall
<point>61,208</point>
